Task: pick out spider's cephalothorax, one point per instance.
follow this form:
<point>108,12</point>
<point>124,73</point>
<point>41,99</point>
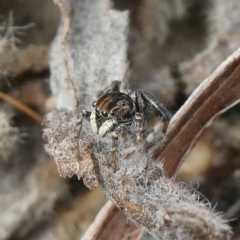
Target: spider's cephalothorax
<point>120,113</point>
<point>111,110</point>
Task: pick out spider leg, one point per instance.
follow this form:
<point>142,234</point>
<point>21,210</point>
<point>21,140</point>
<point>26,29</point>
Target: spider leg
<point>151,108</point>
<point>114,87</point>
<point>139,123</point>
<point>93,121</point>
<point>156,133</point>
<point>119,131</point>
<point>78,126</point>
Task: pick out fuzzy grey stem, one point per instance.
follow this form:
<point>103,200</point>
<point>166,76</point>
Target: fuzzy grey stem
<point>96,52</point>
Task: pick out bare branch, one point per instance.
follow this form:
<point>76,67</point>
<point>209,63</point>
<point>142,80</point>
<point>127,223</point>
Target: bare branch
<point>21,107</point>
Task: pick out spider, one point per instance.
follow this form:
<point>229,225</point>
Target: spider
<point>120,113</point>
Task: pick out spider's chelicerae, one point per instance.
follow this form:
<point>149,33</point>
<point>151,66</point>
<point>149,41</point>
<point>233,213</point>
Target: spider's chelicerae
<point>120,113</point>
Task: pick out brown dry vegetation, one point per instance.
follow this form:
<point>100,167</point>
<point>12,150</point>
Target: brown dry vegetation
<point>56,56</point>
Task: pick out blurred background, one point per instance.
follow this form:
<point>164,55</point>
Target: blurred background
<point>172,47</point>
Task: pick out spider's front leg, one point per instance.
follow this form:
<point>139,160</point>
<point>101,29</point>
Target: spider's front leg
<point>78,126</point>
<point>152,109</point>
<point>119,131</point>
<point>139,123</point>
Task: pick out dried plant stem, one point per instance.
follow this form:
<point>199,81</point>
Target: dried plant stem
<point>66,15</point>
<point>22,107</point>
<point>106,226</point>
<point>104,216</point>
<point>216,94</point>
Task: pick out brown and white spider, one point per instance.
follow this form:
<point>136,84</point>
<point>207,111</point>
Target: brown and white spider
<point>122,113</point>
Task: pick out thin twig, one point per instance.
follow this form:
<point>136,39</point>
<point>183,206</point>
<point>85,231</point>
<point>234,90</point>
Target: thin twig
<point>22,107</point>
<point>66,14</point>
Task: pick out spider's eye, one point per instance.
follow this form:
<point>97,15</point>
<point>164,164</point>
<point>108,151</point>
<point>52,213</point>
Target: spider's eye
<point>97,110</point>
<point>104,114</point>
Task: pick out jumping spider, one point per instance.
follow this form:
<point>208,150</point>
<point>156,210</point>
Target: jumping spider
<point>121,113</point>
